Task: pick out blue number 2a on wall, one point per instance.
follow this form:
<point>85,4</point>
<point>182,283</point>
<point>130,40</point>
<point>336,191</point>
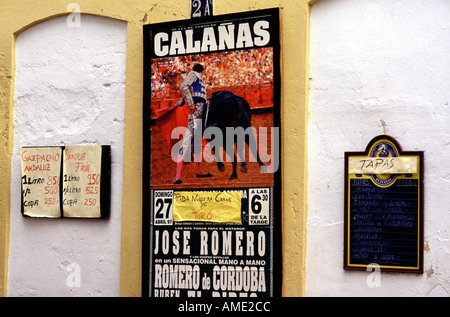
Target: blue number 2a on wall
<point>201,8</point>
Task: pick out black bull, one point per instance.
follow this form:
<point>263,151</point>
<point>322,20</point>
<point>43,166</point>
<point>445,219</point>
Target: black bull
<point>225,109</point>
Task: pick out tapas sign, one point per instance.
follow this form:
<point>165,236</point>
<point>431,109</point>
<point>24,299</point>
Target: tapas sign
<point>384,208</point>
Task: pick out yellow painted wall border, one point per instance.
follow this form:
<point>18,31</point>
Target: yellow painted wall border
<point>20,15</point>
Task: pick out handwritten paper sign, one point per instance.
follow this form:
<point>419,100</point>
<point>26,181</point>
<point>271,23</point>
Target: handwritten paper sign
<point>67,181</point>
<point>41,170</point>
<point>224,207</point>
<point>382,165</point>
<point>383,212</point>
<point>81,181</point>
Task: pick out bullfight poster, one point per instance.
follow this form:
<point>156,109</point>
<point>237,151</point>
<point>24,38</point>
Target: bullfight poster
<point>212,157</point>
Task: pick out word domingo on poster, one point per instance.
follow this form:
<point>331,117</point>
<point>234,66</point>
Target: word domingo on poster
<point>212,37</point>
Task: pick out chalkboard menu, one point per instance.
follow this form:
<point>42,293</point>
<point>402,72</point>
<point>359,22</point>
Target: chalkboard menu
<point>383,208</point>
<point>66,181</point>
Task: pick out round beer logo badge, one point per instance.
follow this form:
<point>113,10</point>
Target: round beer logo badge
<point>383,149</point>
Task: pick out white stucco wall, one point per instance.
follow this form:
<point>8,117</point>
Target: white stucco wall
<point>69,90</point>
<point>377,67</point>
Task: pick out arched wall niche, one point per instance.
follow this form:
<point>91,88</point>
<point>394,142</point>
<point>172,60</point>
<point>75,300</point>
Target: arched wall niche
<point>69,89</point>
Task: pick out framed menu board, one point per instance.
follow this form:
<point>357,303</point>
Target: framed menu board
<point>212,148</point>
<point>384,208</point>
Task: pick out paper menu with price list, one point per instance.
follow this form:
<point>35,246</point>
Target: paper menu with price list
<point>41,170</point>
<point>66,181</point>
<point>81,181</point>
